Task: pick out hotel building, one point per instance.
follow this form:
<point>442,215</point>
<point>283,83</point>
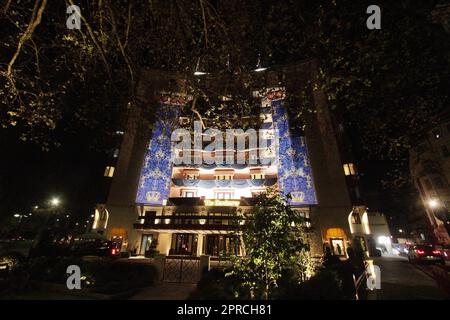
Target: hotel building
<point>153,203</point>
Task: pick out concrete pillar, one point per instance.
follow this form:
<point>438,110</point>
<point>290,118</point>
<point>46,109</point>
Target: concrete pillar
<point>159,262</point>
<point>200,245</point>
<point>164,243</point>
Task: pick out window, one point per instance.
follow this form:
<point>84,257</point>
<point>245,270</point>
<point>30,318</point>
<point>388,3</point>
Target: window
<point>224,195</point>
<point>437,133</point>
<point>258,192</point>
<point>355,218</point>
<point>445,151</point>
<point>223,177</point>
<point>109,171</point>
<point>349,169</point>
<point>116,153</point>
<point>257,176</point>
<point>191,176</point>
<point>189,193</point>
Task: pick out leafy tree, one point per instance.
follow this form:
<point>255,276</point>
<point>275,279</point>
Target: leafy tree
<point>273,242</point>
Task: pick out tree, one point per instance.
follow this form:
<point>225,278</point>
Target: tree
<point>273,242</point>
<point>387,85</point>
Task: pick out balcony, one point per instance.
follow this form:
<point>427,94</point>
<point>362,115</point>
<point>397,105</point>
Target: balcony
<point>190,222</point>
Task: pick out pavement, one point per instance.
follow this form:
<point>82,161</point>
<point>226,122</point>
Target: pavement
<point>401,280</point>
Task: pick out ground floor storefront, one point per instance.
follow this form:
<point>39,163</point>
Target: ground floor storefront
<point>187,244</point>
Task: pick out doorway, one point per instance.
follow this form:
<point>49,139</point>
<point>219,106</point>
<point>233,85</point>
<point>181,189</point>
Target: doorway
<point>146,244</point>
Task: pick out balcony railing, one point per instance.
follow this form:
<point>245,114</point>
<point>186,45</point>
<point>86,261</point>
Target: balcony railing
<point>196,222</point>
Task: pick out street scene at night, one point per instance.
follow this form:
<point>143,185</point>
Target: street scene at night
<point>239,154</point>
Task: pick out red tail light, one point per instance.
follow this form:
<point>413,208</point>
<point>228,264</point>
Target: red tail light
<point>114,251</point>
<point>420,251</point>
<point>437,252</point>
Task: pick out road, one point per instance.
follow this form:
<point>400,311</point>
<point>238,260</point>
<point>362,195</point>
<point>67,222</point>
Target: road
<point>401,280</point>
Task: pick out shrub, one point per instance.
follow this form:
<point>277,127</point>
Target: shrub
<point>214,285</point>
<point>103,275</point>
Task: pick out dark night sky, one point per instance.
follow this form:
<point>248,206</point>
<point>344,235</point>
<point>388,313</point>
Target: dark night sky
<point>28,176</point>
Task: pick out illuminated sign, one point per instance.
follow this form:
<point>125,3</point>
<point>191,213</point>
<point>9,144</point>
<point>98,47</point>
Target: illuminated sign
<point>226,203</point>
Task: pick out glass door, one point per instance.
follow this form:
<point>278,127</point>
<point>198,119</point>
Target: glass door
<point>146,243</point>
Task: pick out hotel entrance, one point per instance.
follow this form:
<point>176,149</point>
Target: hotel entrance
<point>184,244</point>
<point>146,244</point>
<point>337,241</point>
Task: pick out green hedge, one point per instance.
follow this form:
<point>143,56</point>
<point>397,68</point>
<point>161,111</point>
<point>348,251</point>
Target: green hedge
<point>102,275</point>
<point>324,285</point>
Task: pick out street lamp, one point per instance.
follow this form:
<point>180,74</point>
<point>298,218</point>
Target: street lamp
<point>433,203</point>
<point>55,202</point>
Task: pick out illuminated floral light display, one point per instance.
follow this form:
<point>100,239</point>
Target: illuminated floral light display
<point>154,183</point>
<point>294,170</point>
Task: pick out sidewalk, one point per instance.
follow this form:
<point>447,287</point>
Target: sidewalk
<point>165,291</point>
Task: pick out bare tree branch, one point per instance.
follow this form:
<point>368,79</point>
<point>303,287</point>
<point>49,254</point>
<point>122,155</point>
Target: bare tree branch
<point>36,18</point>
<point>94,40</point>
<point>205,29</point>
<point>122,50</point>
<point>127,33</point>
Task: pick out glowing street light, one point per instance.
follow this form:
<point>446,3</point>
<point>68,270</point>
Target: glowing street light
<point>433,203</point>
<point>55,202</point>
<point>17,215</point>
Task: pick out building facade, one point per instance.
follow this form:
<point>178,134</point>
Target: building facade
<point>158,203</point>
<point>430,171</point>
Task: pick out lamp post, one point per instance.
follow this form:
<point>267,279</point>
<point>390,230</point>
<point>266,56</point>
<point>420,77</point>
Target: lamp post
<point>441,212</point>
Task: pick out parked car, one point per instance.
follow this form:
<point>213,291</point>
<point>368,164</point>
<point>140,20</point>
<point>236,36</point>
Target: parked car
<point>446,251</point>
<point>425,253</point>
<point>95,247</point>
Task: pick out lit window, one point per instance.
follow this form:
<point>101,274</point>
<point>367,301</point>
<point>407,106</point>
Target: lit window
<point>257,176</point>
<point>224,195</point>
<point>116,153</point>
<point>223,177</point>
<point>109,171</point>
<point>189,194</point>
<point>349,169</point>
<point>191,176</point>
<point>356,219</point>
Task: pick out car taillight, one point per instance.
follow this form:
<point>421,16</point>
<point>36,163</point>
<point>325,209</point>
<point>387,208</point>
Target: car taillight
<point>113,251</point>
<point>436,252</point>
<point>420,251</point>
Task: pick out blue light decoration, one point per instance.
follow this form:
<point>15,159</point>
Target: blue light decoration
<point>156,172</point>
<point>294,170</point>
